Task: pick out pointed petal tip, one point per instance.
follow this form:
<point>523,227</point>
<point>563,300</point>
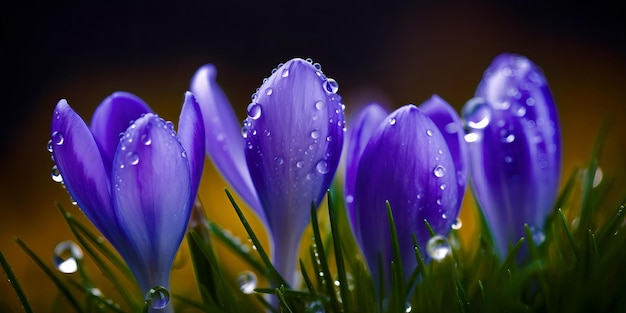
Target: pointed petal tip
<point>208,71</point>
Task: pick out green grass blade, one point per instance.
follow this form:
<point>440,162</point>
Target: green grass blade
<point>510,257</point>
<point>587,210</point>
<point>307,279</point>
<point>15,284</point>
<point>272,272</point>
<point>569,234</point>
<point>397,269</point>
<point>341,268</point>
<point>235,247</point>
<point>62,288</point>
<point>280,292</point>
<point>328,279</point>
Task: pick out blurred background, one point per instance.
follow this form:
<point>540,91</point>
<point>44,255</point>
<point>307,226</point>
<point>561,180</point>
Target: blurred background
<point>395,52</point>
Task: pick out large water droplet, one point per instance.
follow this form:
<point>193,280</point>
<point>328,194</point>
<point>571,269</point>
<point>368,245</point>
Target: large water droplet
<point>132,158</point>
<point>408,308</point>
<point>146,139</point>
<point>254,110</point>
<point>438,247</point>
<point>322,167</point>
<point>247,282</point>
<point>477,113</point>
<point>439,171</point>
<point>157,297</point>
<point>66,256</point>
<point>315,134</point>
<point>331,86</point>
<point>57,138</point>
<point>56,175</point>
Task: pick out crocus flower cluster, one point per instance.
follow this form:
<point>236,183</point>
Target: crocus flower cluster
<point>414,159</point>
<point>284,158</point>
<point>134,178</point>
<point>515,148</point>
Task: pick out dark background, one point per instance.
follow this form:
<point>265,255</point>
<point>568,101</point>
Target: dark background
<point>395,52</point>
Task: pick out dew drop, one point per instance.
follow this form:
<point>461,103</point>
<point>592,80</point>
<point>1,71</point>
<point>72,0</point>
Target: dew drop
<point>439,171</point>
<point>315,134</point>
<point>56,174</point>
<point>278,160</point>
<point>300,164</point>
<point>157,297</point>
<point>408,308</point>
<point>331,86</point>
<point>57,138</point>
<point>521,111</point>
<point>471,137</point>
<point>247,282</point>
<point>476,113</point>
<point>320,105</point>
<point>429,133</point>
<point>392,121</point>
<point>146,139</point>
<point>169,125</point>
<point>285,73</point>
<point>349,198</point>
<point>269,91</point>
<point>49,146</point>
<point>254,110</point>
<point>508,159</point>
<point>315,307</point>
<point>322,167</point>
<point>457,224</point>
<point>317,66</point>
<point>132,158</point>
<point>309,60</point>
<point>66,256</point>
<point>443,186</point>
<point>438,247</point>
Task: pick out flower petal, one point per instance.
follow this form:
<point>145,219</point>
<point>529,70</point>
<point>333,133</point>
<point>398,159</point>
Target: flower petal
<point>80,163</point>
<point>516,148</point>
<point>152,198</point>
<point>359,133</point>
<point>406,162</point>
<point>224,143</point>
<point>451,127</point>
<point>191,135</point>
<point>294,137</point>
<point>111,118</point>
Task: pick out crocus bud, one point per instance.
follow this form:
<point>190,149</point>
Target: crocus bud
<point>515,148</point>
<point>137,190</point>
<point>292,139</point>
<point>406,162</point>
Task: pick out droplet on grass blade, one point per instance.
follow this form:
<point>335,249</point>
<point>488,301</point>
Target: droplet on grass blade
<point>66,257</point>
<point>247,282</point>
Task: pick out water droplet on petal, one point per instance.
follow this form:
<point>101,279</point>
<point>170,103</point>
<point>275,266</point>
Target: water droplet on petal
<point>349,198</point>
<point>285,73</point>
<point>300,164</point>
<point>457,224</point>
<point>471,137</point>
<point>320,105</point>
<point>132,158</point>
<point>49,146</point>
<point>429,133</point>
<point>315,134</point>
<point>392,121</point>
<point>57,138</point>
<point>66,256</point>
<point>56,175</point>
<point>438,247</point>
<point>254,110</point>
<point>269,91</point>
<point>439,171</point>
<point>443,186</point>
<point>322,167</point>
<point>247,282</point>
<point>278,160</point>
<point>146,139</point>
<point>477,113</point>
<point>157,297</point>
<point>331,86</point>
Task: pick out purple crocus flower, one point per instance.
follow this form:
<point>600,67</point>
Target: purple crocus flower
<point>290,149</point>
<point>403,158</point>
<point>135,183</point>
<point>515,148</point>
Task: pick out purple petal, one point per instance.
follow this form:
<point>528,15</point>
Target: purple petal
<point>224,143</point>
<point>451,127</point>
<point>151,191</point>
<point>406,162</point>
<point>111,118</point>
<point>294,136</point>
<point>191,136</point>
<point>515,148</point>
<point>80,163</point>
<point>360,130</point>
